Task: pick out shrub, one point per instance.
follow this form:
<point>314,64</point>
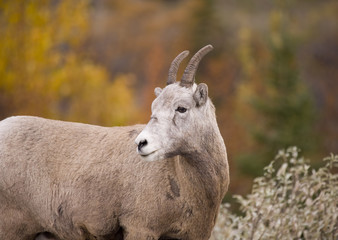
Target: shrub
<point>290,201</point>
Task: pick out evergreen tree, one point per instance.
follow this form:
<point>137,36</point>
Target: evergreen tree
<point>286,107</point>
<point>282,105</point>
<point>205,26</point>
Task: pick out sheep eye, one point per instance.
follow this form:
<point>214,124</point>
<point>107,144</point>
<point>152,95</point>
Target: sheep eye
<point>181,110</point>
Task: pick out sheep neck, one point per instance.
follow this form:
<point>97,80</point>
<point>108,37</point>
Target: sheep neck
<point>207,167</point>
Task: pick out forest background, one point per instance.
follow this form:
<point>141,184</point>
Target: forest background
<point>273,75</point>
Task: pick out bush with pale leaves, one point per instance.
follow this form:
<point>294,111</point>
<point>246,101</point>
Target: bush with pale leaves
<point>290,201</point>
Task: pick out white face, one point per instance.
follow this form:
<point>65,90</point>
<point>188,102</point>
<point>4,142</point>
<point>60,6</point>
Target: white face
<point>179,117</point>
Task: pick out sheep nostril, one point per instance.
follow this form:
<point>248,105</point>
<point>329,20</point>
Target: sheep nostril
<point>142,144</point>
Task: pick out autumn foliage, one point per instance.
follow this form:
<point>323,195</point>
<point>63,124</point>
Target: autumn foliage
<point>44,73</point>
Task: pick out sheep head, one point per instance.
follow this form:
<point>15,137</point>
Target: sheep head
<point>182,114</point>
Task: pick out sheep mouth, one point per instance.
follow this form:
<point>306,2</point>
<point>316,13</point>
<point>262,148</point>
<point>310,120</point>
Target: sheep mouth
<point>151,157</point>
<point>146,154</point>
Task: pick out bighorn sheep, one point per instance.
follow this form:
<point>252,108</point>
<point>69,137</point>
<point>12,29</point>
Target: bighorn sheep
<point>78,181</point>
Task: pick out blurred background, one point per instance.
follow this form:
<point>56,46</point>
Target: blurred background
<point>273,74</point>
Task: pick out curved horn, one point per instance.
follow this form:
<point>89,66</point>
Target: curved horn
<point>189,73</point>
<point>174,66</point>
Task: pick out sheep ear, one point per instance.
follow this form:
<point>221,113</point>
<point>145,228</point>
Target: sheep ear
<point>201,94</point>
<point>157,91</point>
